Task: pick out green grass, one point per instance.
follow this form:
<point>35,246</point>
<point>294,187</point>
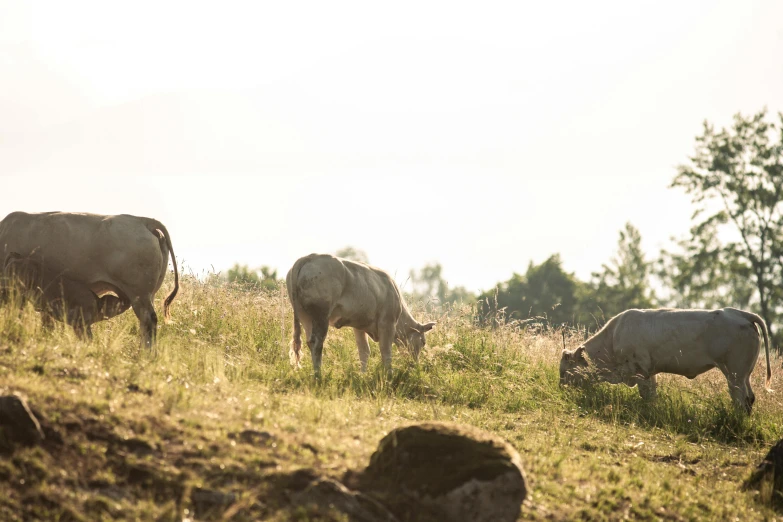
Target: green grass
<point>135,432</point>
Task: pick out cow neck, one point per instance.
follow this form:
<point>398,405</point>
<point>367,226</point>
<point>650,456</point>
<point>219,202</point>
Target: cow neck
<point>598,347</point>
<point>406,321</point>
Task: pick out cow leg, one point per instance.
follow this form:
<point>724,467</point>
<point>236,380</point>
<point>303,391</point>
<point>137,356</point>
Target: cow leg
<point>315,341</point>
<point>148,319</point>
<point>740,391</point>
<point>745,398</point>
<point>647,387</point>
<point>307,326</point>
<point>385,340</point>
<point>751,397</point>
<point>47,321</point>
<point>364,347</point>
<point>83,331</point>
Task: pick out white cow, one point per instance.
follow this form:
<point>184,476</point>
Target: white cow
<point>326,290</point>
<point>125,255</point>
<point>635,345</point>
<point>58,297</point>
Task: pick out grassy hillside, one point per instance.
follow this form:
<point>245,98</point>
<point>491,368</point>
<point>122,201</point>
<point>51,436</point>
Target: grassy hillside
<point>215,422</point>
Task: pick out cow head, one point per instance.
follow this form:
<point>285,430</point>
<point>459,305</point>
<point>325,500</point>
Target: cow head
<point>412,337</point>
<point>572,366</point>
<point>110,306</point>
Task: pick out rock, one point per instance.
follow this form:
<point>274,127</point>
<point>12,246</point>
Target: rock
<point>440,471</point>
<point>108,490</point>
<point>209,501</point>
<point>138,446</point>
<point>767,478</point>
<point>18,425</point>
<point>254,437</point>
<point>135,388</point>
<point>327,494</point>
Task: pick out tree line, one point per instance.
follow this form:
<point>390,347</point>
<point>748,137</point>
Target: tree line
<point>732,255</point>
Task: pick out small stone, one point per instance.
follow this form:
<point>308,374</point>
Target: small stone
<point>18,424</point>
<point>139,446</point>
<point>208,501</point>
<point>252,436</point>
<point>327,494</point>
<point>446,471</point>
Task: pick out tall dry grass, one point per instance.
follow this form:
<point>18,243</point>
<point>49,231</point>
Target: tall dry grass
<point>224,361</point>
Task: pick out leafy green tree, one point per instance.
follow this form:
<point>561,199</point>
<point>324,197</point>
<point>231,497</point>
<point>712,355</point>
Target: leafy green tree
<point>735,179</point>
<point>263,277</point>
<point>622,283</point>
<point>695,275</point>
<point>545,292</point>
<point>429,285</point>
<point>354,254</point>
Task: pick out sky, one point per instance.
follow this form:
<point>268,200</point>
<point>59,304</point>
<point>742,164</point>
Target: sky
<point>482,136</point>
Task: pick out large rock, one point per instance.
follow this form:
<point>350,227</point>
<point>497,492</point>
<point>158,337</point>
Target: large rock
<point>439,471</point>
<point>18,425</point>
<point>767,478</point>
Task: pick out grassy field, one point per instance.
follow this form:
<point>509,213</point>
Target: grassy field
<point>214,422</point>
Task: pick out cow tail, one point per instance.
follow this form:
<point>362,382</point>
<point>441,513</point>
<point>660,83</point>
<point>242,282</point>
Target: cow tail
<point>296,340</point>
<point>296,346</point>
<point>158,226</point>
<point>762,325</point>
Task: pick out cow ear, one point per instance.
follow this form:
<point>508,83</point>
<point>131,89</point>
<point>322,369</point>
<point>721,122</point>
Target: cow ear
<point>579,353</point>
<point>426,327</point>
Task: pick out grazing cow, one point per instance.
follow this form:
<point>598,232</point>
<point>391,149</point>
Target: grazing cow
<point>125,255</point>
<point>637,344</point>
<point>58,297</point>
<point>326,290</point>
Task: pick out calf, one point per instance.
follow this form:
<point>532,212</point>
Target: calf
<point>58,297</point>
<point>326,290</point>
<point>635,345</point>
<point>124,255</point>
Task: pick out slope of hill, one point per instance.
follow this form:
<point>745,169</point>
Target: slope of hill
<point>214,423</point>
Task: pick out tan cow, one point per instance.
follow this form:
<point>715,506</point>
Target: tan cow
<point>635,345</point>
<point>125,255</point>
<point>58,297</point>
<point>326,290</point>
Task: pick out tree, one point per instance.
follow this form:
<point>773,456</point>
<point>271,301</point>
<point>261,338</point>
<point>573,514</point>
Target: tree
<point>735,178</point>
<point>428,285</point>
<point>624,282</point>
<point>696,274</point>
<point>354,254</point>
<point>263,277</point>
<point>545,292</point>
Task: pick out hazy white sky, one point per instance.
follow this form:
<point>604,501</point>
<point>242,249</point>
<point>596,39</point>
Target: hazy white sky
<point>481,135</point>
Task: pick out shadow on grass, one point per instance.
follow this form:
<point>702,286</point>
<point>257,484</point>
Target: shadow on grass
<point>675,411</point>
<point>407,380</point>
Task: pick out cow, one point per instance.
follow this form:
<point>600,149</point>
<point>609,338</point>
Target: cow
<point>58,297</point>
<point>635,345</point>
<point>124,255</point>
<point>326,290</point>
